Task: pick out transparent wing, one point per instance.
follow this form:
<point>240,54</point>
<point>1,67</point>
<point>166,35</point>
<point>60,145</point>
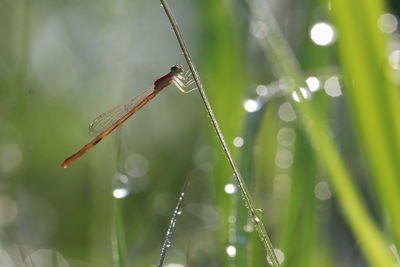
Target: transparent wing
<point>108,118</point>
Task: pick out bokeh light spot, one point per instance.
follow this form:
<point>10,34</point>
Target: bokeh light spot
<point>305,93</point>
<point>387,23</point>
<point>250,105</point>
<point>232,219</point>
<point>313,83</point>
<point>286,136</point>
<point>262,90</point>
<point>394,59</point>
<point>231,251</point>
<point>284,159</point>
<point>238,141</point>
<point>230,188</point>
<point>322,34</point>
<point>136,165</point>
<point>286,112</point>
<point>296,97</point>
<point>120,192</point>
<point>204,158</point>
<point>248,228</point>
<point>322,191</point>
<point>332,87</point>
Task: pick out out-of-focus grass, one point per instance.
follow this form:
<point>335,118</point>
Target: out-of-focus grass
<point>223,71</point>
<point>365,229</point>
<point>63,63</point>
<point>373,98</point>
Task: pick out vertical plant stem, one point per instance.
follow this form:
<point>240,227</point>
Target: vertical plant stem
<point>242,186</point>
<point>168,237</point>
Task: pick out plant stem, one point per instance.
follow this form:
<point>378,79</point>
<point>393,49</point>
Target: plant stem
<point>242,186</point>
<point>172,224</point>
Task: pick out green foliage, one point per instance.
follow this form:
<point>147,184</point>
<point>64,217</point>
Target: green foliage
<point>327,179</point>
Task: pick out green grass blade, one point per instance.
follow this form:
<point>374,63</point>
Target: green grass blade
<point>248,201</point>
<point>372,242</point>
<point>251,129</point>
<point>373,98</point>
<point>299,227</point>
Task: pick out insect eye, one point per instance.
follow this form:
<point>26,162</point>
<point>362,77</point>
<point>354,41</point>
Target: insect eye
<point>176,69</point>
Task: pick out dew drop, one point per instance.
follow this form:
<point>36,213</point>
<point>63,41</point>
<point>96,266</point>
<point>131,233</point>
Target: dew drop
<point>259,213</point>
<point>280,256</point>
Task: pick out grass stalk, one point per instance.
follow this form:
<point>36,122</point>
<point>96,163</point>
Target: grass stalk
<point>168,237</point>
<point>260,227</point>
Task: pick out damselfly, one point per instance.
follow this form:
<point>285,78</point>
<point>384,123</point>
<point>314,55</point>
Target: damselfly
<point>104,124</point>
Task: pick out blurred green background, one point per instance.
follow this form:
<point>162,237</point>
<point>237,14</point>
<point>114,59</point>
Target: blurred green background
<point>62,63</point>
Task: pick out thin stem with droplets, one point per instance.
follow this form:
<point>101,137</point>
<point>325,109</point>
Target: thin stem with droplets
<point>242,186</point>
<point>168,237</point>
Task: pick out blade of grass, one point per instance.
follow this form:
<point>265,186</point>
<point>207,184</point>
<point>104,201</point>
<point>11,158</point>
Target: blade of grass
<point>275,46</point>
<point>242,186</point>
<point>168,236</point>
<point>250,132</point>
<point>373,98</point>
<point>300,225</point>
<point>222,68</point>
